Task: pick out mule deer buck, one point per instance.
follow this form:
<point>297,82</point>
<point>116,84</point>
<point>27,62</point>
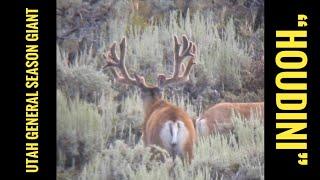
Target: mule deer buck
<point>218,118</point>
<point>164,125</point>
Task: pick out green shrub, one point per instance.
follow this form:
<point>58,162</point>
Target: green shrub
<point>81,131</point>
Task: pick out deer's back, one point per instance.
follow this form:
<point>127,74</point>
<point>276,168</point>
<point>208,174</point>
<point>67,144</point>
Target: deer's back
<point>218,117</point>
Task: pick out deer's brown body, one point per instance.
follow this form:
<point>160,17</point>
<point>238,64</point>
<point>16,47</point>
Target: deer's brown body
<point>165,125</point>
<point>218,118</point>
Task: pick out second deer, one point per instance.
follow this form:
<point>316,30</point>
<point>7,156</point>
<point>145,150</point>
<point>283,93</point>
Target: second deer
<point>165,124</point>
<point>218,118</point>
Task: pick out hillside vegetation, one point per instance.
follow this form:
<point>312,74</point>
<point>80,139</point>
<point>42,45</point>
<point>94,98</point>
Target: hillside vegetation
<point>99,120</point>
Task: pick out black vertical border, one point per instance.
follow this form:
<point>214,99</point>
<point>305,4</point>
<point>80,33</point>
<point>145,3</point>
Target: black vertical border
<point>278,14</point>
<point>47,89</point>
<point>282,15</point>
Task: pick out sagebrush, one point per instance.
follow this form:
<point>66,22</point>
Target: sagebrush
<point>98,126</point>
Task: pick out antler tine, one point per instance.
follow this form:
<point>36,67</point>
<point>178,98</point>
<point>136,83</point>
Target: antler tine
<point>191,61</point>
<point>182,69</point>
<point>114,62</point>
<point>181,73</point>
<point>141,80</point>
<point>176,63</point>
<point>177,45</point>
<point>113,55</point>
<point>116,74</point>
<point>122,63</point>
<point>186,51</point>
<point>187,48</point>
<point>185,43</point>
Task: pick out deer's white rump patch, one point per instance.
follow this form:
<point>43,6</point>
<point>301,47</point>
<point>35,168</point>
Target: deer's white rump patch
<point>201,126</point>
<point>173,136</point>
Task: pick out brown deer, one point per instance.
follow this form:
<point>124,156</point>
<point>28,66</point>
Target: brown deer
<point>165,125</point>
<point>218,118</point>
